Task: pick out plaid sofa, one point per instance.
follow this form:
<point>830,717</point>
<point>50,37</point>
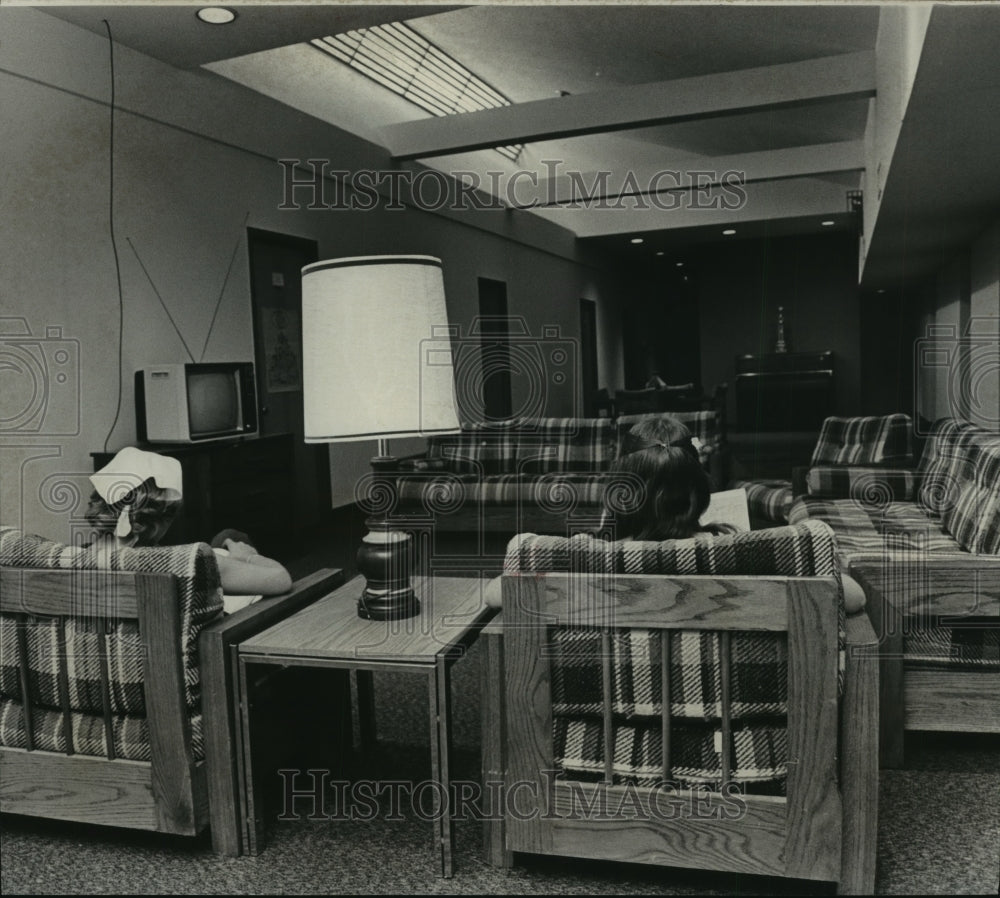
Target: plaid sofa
<point>947,507</point>
<point>200,594</point>
<point>557,464</point>
<point>758,682</point>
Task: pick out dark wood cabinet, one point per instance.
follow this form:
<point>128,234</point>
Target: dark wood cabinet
<point>786,391</point>
<point>248,485</point>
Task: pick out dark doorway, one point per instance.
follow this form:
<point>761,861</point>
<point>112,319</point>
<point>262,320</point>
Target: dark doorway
<point>588,356</point>
<point>276,262</point>
<point>494,330</point>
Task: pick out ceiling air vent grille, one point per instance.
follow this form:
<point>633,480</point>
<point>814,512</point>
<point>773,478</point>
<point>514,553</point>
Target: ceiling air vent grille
<point>398,58</point>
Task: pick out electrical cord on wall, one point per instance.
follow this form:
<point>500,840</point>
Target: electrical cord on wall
<point>111,225</point>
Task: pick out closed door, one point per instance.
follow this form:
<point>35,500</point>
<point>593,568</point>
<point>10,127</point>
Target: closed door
<point>494,330</point>
<point>276,262</point>
<point>588,356</point>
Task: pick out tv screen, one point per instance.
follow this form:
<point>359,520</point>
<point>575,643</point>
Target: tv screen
<point>213,403</point>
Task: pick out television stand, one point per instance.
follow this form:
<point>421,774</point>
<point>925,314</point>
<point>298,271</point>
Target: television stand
<point>247,483</point>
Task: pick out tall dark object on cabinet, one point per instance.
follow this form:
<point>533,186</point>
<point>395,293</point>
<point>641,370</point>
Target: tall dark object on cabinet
<point>248,485</point>
<point>784,391</point>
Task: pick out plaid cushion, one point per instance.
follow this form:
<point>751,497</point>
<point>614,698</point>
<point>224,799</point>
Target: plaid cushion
<point>989,527</point>
<point>704,426</point>
<point>864,441</point>
<point>130,734</point>
<point>435,490</point>
<point>867,484</point>
<point>556,492</point>
<point>974,518</point>
<point>956,453</point>
<point>873,531</point>
<point>759,665</point>
<point>759,752</point>
<point>481,448</point>
<point>199,593</point>
<point>974,646</point>
<point>768,500</point>
<point>527,445</point>
<point>565,445</point>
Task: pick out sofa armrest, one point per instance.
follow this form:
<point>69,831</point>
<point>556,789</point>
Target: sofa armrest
<point>220,711</point>
<point>861,481</point>
<point>949,585</point>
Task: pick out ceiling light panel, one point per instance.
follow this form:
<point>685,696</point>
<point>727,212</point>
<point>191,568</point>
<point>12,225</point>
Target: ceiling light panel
<point>216,15</point>
<point>401,60</point>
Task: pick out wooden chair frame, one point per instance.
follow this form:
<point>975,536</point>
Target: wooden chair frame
<point>173,792</point>
<point>929,590</point>
<point>824,829</point>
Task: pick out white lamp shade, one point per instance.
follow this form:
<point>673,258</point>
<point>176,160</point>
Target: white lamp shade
<point>376,358</point>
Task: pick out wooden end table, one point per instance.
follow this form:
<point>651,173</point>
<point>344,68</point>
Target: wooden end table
<point>329,635</point>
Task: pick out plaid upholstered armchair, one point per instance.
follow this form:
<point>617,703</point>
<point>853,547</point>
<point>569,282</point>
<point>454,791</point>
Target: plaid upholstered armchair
<point>115,684</point>
<point>855,450</point>
<point>694,703</point>
<point>847,449</point>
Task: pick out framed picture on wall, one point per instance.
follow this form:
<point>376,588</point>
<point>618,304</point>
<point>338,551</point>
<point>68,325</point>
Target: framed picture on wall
<point>282,332</point>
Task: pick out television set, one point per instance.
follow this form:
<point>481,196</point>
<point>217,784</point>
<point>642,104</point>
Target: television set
<point>195,402</point>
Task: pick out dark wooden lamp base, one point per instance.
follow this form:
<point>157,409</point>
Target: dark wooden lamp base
<point>385,560</point>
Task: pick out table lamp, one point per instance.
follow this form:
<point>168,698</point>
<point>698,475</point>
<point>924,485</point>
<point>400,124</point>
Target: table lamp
<point>377,364</point>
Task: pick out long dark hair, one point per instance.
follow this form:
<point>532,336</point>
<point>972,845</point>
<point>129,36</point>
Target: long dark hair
<point>663,489</point>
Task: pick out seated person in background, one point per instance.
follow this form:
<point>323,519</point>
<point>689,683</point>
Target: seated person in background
<point>676,489</point>
<point>674,495</point>
<point>136,497</point>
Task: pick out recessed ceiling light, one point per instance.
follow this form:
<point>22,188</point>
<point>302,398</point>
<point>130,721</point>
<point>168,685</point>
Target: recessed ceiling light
<point>828,223</point>
<point>729,232</point>
<point>680,264</point>
<point>216,15</point>
<point>636,240</point>
<point>880,290</point>
<point>659,252</point>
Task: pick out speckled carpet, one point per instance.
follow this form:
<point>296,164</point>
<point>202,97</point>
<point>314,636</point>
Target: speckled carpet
<point>939,833</point>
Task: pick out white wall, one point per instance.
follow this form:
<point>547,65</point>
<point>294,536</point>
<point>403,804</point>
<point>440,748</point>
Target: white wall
<point>958,354</point>
<point>984,329</point>
<point>900,39</point>
<point>194,165</point>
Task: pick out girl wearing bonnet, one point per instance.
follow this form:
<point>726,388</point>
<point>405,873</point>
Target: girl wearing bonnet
<point>136,497</point>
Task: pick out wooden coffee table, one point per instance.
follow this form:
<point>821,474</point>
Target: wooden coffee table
<point>329,634</point>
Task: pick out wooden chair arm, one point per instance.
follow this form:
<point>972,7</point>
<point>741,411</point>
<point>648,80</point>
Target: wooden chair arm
<point>253,618</point>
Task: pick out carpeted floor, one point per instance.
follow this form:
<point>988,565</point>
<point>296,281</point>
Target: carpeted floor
<point>939,833</point>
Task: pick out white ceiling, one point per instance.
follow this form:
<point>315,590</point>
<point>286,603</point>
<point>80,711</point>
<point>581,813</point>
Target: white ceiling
<point>780,92</point>
<point>534,54</point>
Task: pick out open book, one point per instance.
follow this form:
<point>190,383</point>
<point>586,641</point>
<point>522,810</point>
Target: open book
<point>728,507</point>
<point>231,604</point>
